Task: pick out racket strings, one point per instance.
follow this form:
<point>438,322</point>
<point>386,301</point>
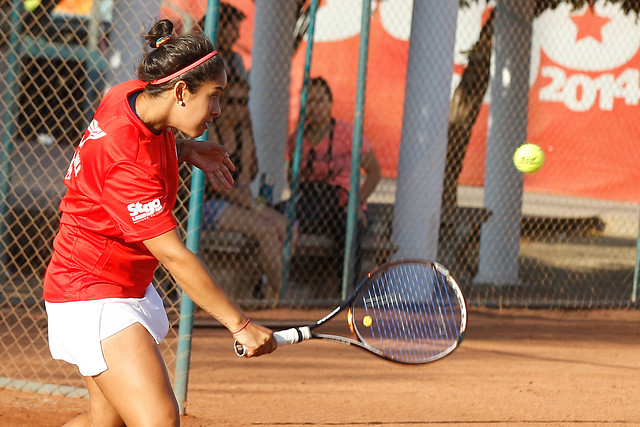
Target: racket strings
<point>429,320</point>
<point>414,313</point>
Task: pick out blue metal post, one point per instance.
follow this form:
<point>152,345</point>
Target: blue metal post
<point>185,327</point>
<point>297,154</point>
<point>354,202</point>
<point>11,81</point>
<point>634,293</point>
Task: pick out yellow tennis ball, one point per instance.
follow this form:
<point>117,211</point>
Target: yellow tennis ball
<point>31,5</point>
<point>367,321</point>
<point>528,158</point>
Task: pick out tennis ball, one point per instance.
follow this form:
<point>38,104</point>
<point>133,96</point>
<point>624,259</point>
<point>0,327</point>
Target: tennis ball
<point>367,321</point>
<point>31,5</point>
<point>528,158</point>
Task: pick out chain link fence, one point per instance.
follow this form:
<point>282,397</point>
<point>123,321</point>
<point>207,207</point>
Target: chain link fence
<point>564,236</point>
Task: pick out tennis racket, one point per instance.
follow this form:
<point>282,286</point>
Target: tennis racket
<point>409,312</point>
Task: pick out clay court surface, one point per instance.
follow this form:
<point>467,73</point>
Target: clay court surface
<point>515,367</point>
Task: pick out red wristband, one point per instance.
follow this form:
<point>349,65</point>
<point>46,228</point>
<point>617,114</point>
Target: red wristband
<point>243,326</point>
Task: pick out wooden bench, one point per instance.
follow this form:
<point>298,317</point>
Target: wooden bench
<point>233,255</point>
<point>376,243</point>
<point>459,243</point>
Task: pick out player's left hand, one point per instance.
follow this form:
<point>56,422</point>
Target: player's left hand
<point>213,159</point>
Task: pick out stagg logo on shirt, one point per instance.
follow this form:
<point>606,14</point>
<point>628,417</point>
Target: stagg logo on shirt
<point>141,211</point>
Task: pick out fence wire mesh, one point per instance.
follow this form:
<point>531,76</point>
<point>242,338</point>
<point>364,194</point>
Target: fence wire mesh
<point>564,236</point>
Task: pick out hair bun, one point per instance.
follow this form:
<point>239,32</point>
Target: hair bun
<point>159,33</point>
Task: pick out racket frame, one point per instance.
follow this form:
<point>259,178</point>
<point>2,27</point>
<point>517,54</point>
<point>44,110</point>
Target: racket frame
<point>302,333</point>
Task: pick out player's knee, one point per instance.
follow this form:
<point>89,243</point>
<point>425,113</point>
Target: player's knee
<point>102,413</point>
<point>162,413</point>
<point>167,416</point>
<point>171,416</point>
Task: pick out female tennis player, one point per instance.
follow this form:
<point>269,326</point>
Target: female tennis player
<point>117,224</point>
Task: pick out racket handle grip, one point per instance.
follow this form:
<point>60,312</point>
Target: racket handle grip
<point>292,336</point>
<point>283,337</point>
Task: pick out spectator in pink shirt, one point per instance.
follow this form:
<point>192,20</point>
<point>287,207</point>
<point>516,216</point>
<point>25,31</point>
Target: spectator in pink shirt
<point>325,171</point>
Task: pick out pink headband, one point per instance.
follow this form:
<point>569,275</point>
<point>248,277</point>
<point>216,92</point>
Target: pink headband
<point>184,70</point>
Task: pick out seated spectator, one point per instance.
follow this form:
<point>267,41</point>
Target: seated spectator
<point>236,209</point>
<point>228,33</point>
<point>325,172</point>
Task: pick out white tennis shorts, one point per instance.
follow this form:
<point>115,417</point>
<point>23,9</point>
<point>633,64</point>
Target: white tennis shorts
<point>77,328</point>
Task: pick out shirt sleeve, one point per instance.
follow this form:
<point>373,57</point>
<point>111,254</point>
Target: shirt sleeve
<point>137,202</point>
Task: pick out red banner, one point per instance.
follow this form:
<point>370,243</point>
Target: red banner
<point>583,104</point>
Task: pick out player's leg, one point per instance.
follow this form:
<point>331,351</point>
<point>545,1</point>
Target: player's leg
<point>137,384</point>
<point>102,413</point>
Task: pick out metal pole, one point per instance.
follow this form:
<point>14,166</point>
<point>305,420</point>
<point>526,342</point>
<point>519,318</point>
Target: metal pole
<point>509,108</point>
<point>297,154</point>
<point>354,202</point>
<point>125,44</point>
<point>11,82</point>
<point>423,146</point>
<point>271,57</point>
<point>185,327</point>
<point>634,293</point>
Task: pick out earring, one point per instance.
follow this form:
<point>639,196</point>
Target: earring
<point>181,103</point>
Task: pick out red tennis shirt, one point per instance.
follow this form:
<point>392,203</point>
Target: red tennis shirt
<point>121,190</point>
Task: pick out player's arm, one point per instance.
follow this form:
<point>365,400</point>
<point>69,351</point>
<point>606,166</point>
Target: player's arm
<point>211,158</point>
<point>197,281</point>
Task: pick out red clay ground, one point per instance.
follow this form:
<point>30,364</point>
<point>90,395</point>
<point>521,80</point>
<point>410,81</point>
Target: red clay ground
<point>515,367</point>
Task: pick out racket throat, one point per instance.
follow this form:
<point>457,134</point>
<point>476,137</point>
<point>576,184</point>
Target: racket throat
<point>304,333</point>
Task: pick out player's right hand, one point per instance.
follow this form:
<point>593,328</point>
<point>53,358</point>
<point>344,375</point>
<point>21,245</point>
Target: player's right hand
<point>256,339</point>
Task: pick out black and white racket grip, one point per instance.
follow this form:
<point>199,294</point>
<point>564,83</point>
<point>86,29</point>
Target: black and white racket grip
<point>284,337</point>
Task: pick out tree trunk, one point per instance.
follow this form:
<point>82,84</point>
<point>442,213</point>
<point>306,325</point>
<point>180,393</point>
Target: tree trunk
<point>465,106</point>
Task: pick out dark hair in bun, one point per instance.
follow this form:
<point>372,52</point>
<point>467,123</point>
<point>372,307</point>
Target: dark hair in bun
<point>171,53</point>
